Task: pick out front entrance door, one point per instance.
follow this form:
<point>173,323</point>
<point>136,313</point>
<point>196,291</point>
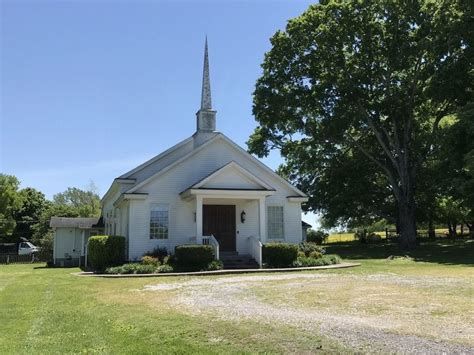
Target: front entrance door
<point>219,220</point>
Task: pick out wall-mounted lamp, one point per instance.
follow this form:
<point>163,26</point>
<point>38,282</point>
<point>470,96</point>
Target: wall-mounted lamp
<point>243,216</point>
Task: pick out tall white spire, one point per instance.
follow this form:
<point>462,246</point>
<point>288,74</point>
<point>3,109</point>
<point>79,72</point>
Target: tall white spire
<point>206,116</point>
<point>206,102</point>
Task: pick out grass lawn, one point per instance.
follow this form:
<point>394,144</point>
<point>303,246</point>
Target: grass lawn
<point>385,301</point>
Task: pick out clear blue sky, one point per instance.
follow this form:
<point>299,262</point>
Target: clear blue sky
<point>91,89</point>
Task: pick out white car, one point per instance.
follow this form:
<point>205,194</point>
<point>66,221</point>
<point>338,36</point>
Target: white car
<point>27,248</point>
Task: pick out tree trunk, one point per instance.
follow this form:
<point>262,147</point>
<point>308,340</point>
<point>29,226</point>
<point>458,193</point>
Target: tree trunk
<point>431,230</point>
<point>407,225</point>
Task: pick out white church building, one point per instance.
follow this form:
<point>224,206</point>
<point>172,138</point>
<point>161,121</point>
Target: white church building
<point>205,189</point>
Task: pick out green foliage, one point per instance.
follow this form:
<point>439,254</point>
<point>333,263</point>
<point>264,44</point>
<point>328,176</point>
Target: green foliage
<point>46,245</point>
<point>215,265</point>
<point>353,93</point>
<point>307,261</point>
<point>10,201</point>
<point>85,202</point>
<point>307,248</point>
<point>279,254</point>
<point>164,268</point>
<point>33,204</point>
<point>160,253</point>
<point>193,257</point>
<point>105,251</point>
<point>150,260</point>
<point>318,237</point>
<point>131,268</point>
<point>367,238</point>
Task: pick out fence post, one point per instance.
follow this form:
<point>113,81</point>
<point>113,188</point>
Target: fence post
<point>8,259</point>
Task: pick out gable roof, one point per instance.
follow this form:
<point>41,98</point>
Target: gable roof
<point>156,158</point>
<point>205,144</point>
<point>229,167</point>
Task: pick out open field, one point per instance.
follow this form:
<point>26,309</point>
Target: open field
<point>349,237</point>
<point>405,305</point>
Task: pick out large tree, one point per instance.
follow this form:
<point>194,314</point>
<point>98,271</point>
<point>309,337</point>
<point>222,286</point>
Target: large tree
<point>371,78</point>
<point>33,204</point>
<point>10,201</point>
<point>85,202</point>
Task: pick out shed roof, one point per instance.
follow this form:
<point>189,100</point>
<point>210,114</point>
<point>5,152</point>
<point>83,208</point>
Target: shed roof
<point>76,222</point>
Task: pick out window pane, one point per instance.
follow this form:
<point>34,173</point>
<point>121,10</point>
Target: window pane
<point>275,228</point>
<point>159,222</point>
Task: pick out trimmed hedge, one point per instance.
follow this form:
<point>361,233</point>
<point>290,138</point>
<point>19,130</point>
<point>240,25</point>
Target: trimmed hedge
<point>193,257</point>
<point>279,254</point>
<point>105,251</point>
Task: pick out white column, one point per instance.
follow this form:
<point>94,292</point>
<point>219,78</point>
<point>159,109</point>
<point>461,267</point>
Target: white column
<point>198,217</point>
<point>262,219</point>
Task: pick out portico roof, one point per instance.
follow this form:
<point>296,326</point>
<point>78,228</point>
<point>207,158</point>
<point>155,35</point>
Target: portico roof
<point>230,179</point>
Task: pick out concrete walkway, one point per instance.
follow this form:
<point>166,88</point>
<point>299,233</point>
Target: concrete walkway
<point>222,272</point>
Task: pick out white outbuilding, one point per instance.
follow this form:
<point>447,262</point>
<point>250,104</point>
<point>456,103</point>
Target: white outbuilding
<point>70,239</point>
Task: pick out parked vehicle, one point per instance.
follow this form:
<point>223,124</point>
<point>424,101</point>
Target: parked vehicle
<point>22,248</point>
<point>27,248</point>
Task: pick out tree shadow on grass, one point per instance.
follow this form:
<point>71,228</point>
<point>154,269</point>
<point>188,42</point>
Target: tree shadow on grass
<point>454,252</point>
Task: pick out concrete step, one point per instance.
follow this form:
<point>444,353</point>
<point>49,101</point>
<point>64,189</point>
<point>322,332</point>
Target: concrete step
<point>235,261</point>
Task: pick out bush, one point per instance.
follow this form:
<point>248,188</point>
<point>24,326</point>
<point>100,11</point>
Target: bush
<point>308,248</point>
<point>215,265</point>
<point>150,260</point>
<point>105,251</point>
<point>279,254</point>
<point>305,261</point>
<point>46,248</point>
<point>318,237</point>
<point>193,257</point>
<point>159,253</point>
<point>132,268</point>
<point>164,268</point>
<point>367,238</point>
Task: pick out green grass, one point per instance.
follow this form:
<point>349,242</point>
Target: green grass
<point>46,310</point>
<point>50,311</point>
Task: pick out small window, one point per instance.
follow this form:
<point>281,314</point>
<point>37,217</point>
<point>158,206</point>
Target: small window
<point>275,222</point>
<point>159,222</point>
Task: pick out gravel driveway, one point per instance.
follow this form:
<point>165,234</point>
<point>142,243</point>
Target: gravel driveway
<point>235,298</point>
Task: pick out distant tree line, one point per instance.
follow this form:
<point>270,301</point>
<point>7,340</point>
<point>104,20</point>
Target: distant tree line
<point>26,212</point>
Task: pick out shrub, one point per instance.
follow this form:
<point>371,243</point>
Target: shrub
<point>318,237</point>
<point>193,257</point>
<point>105,251</point>
<point>374,238</point>
<point>150,260</point>
<point>215,265</point>
<point>308,248</point>
<point>367,238</point>
<point>164,268</point>
<point>315,255</point>
<point>306,261</point>
<point>132,268</point>
<point>279,254</point>
<point>158,253</point>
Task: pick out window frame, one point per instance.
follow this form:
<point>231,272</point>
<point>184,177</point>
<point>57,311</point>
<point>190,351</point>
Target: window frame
<point>269,235</point>
<point>156,234</point>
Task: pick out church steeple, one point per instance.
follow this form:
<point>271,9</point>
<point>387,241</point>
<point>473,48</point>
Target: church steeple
<point>206,116</point>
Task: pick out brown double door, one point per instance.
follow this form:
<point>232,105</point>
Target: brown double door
<point>219,220</point>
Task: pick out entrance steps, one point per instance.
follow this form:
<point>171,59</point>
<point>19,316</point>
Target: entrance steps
<point>233,260</point>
